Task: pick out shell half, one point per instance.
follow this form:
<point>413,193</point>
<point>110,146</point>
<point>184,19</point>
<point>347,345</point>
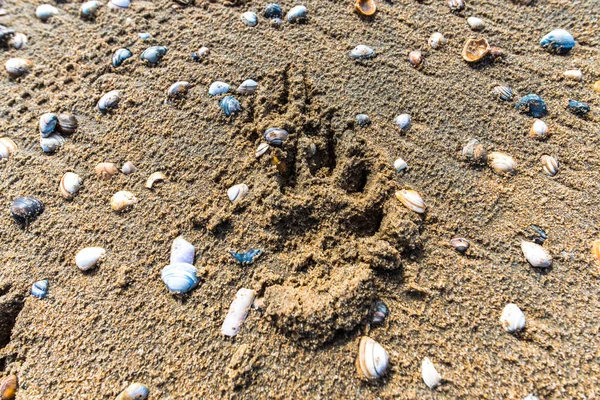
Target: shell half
<point>411,200</point>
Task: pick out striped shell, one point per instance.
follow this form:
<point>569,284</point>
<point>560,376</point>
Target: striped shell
<point>230,106</point>
<point>7,147</point>
<point>501,163</point>
<point>120,56</point>
<point>69,185</point>
<point>67,124</point>
<point>247,87</point>
<point>39,290</point>
<point>411,200</point>
<point>25,210</point>
<point>549,165</point>
<point>503,92</point>
<point>373,360</point>
<point>179,277</point>
<point>110,100</point>
<point>276,136</point>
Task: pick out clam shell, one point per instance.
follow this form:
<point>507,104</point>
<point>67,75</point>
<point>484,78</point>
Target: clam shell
<point>549,165</point>
<point>180,277</point>
<point>475,49</point>
<point>262,149</point>
<point>503,92</point>
<point>155,177</point>
<point>373,360</point>
<point>362,120</point>
<point>88,9</point>
<point>122,200</point>
<point>361,52</point>
<point>415,58</point>
<point>380,313</point>
<point>39,290</point>
<point>297,14</point>
<point>7,147</point>
<point>217,88</point>
<point>455,5</point>
<point>596,250</point>
<point>574,75</point>
<point>106,170</point>
<point>536,255</point>
<point>400,165</point>
<point>8,387</point>
<point>18,41</point>
<point>119,4</point>
<point>178,89</point>
<point>512,318</point>
<point>51,143</point>
<point>247,87</point>
<point>153,55</point>
<point>90,256</point>
<point>276,136</point>
<point>238,310</point>
<point>70,184</point>
<point>365,7</point>
<point>272,11</point>
<point>501,163</point>
<point>17,67</point>
<point>135,391</point>
<point>436,40</point>
<point>67,124</point>
<point>230,106</point>
<point>120,56</point>
<point>403,121</point>
<point>237,192</point>
<point>411,200</point>
<point>110,100</point>
<point>460,244</point>
<point>128,168</point>
<point>475,23</point>
<point>182,251</point>
<point>578,107</point>
<point>533,105</point>
<point>559,41</point>
<point>45,11</point>
<point>25,210</point>
<point>47,124</point>
<point>539,129</point>
<point>475,152</point>
<point>430,376</point>
<point>249,18</point>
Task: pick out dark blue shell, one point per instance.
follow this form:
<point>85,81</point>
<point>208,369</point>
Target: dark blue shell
<point>534,105</point>
<point>558,40</point>
<point>230,105</point>
<point>578,107</point>
<point>154,54</point>
<point>247,257</point>
<point>26,209</point>
<point>120,56</point>
<point>272,11</point>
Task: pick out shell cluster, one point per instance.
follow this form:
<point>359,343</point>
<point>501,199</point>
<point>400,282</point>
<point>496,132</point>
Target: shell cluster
<point>373,360</point>
<point>180,276</point>
<point>274,13</point>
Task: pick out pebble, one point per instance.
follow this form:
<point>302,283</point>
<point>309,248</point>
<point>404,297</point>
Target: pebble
<point>89,257</point>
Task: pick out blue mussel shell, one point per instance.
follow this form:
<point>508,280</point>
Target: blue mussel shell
<point>230,105</point>
<point>533,105</point>
<point>558,40</point>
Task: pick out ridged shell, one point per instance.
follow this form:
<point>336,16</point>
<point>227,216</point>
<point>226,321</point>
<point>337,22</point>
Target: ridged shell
<point>51,143</point>
<point>128,168</point>
<point>430,376</point>
<point>67,124</point>
<point>153,55</point>
<point>411,200</point>
<point>110,100</point>
<point>88,9</point>
<point>178,89</point>
<point>17,67</point>
<point>549,165</point>
<point>403,121</point>
<point>475,152</point>
<point>7,147</point>
<point>460,244</point>
<point>237,192</point>
<point>106,170</point>
<point>276,136</point>
<point>135,391</point>
<point>262,149</point>
<point>87,258</point>
<point>501,163</point>
<point>475,49</point>
<point>119,4</point>
<point>297,14</point>
<point>47,124</point>
<point>230,106</point>
<point>574,75</point>
<point>25,210</point>
<point>400,165</point>
<point>362,120</point>
<point>539,130</point>
<point>45,11</point>
<point>8,387</point>
<point>559,40</point>
<point>533,105</point>
<point>455,5</point>
<point>154,178</point>
<point>361,52</point>
<point>373,360</point>
<point>182,251</point>
<point>475,23</point>
<point>18,41</point>
<point>216,88</point>
<point>39,290</point>
<point>247,87</point>
<point>512,318</point>
<point>596,250</point>
<point>415,58</point>
<point>122,200</point>
<point>249,18</point>
<point>272,11</point>
<point>536,255</point>
<point>380,313</point>
<point>503,92</point>
<point>365,7</point>
<point>70,184</point>
<point>238,310</point>
<point>578,107</point>
<point>119,56</point>
<point>180,277</point>
<point>436,40</point>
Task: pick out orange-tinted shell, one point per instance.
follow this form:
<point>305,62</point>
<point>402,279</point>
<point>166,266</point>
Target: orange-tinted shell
<point>597,86</point>
<point>8,387</point>
<point>475,49</point>
<point>106,170</point>
<point>365,7</point>
<point>596,250</point>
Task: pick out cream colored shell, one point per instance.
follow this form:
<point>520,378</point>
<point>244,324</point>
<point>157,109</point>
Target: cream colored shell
<point>501,163</point>
<point>122,200</point>
<point>411,200</point>
<point>70,183</point>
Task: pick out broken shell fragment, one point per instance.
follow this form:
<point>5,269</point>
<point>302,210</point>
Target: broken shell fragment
<point>430,376</point>
<point>361,52</point>
<point>475,23</point>
<point>475,152</point>
<point>89,257</point>
<point>17,67</point>
<point>400,165</point>
<point>179,277</point>
<point>373,360</point>
<point>110,100</point>
<point>246,257</point>
<point>536,255</point>
<point>237,192</point>
<point>8,387</point>
<point>135,391</point>
<point>47,124</point>
<point>128,168</point>
<point>460,244</point>
<point>380,313</point>
<point>67,124</point>
<point>455,5</point>
<point>436,40</point>
<point>415,58</point>
<point>533,105</point>
<point>182,251</point>
<point>579,108</point>
<point>475,49</point>
<point>70,184</point>
<point>155,177</point>
<point>120,56</point>
<point>574,75</point>
<point>26,209</point>
<point>549,165</point>
<point>247,87</point>
<point>501,163</point>
<point>39,290</point>
<point>122,200</point>
<point>238,310</point>
<point>365,7</point>
<point>230,106</point>
<point>51,143</point>
<point>106,170</point>
<point>512,318</point>
<point>45,11</point>
<point>539,130</point>
<point>411,200</point>
<point>503,92</point>
<point>7,147</point>
<point>276,136</point>
<point>262,149</point>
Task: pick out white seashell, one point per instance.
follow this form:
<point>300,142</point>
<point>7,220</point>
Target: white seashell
<point>180,278</point>
<point>512,318</point>
<point>18,41</point>
<point>155,177</point>
<point>574,75</point>
<point>135,391</point>
<point>549,165</point>
<point>45,11</point>
<point>530,396</point>
<point>17,67</point>
<point>237,192</point>
<point>182,251</point>
<point>88,257</point>
<point>128,168</point>
<point>88,9</point>
<point>51,143</point>
<point>262,149</point>
<point>402,121</point>
<point>249,18</point>
<point>436,40</point>
<point>475,23</point>
<point>501,163</point>
<point>106,170</point>
<point>119,4</point>
<point>373,360</point>
<point>247,87</point>
<point>430,376</point>
<point>400,165</point>
<point>110,100</point>
<point>70,184</point>
<point>217,88</point>
<point>539,129</point>
<point>237,312</point>
<point>536,255</point>
<point>411,200</point>
<point>122,200</point>
<point>7,147</point>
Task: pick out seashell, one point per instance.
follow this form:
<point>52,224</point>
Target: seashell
<point>403,122</point>
<point>311,150</point>
<point>455,5</point>
<point>119,4</point>
<point>530,396</point>
<point>596,86</point>
<point>18,41</point>
<point>373,360</point>
<point>17,67</point>
<point>88,9</point>
<point>5,33</point>
<point>7,147</point>
<point>365,7</point>
<point>536,255</point>
<point>135,391</point>
<point>238,310</point>
<point>180,277</point>
<point>559,40</point>
<point>380,313</point>
<point>89,257</point>
<point>501,163</point>
<point>67,124</point>
<point>247,87</point>
<point>110,100</point>
<point>237,192</point>
<point>430,376</point>
<point>512,318</point>
<point>436,40</point>
<point>539,129</point>
<point>230,106</point>
<point>45,11</point>
<point>475,49</point>
<point>362,52</point>
<point>460,244</point>
<point>26,209</point>
<point>144,35</point>
<point>503,92</point>
<point>596,250</point>
<point>106,170</point>
<point>246,257</point>
<point>400,165</point>
<point>153,55</point>
<point>276,136</point>
<point>416,58</point>
<point>475,152</point>
<point>549,165</point>
<point>578,107</point>
<point>533,105</point>
<point>411,200</point>
<point>297,14</point>
<point>249,18</point>
<point>39,290</point>
<point>178,89</point>
<point>276,22</point>
<point>122,200</point>
<point>538,235</point>
<point>51,143</point>
<point>262,149</point>
<point>273,11</point>
<point>362,119</point>
<point>8,387</point>
<point>47,124</point>
<point>120,56</point>
<point>155,177</point>
<point>128,168</point>
<point>475,23</point>
<point>201,53</point>
<point>69,185</point>
<point>574,75</point>
<point>217,88</point>
<point>182,251</point>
